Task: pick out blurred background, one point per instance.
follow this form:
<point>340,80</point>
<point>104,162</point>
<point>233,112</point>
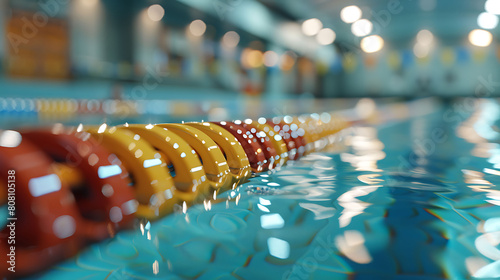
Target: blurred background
<point>144,60</point>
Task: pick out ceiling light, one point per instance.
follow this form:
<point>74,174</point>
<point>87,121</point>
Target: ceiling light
<point>372,44</point>
<point>311,26</point>
<point>362,27</point>
<point>350,14</point>
<point>156,12</point>
<point>325,36</point>
<point>197,27</point>
<point>480,38</point>
<point>487,20</point>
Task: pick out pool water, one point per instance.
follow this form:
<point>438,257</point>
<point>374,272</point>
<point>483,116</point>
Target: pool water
<point>408,199</point>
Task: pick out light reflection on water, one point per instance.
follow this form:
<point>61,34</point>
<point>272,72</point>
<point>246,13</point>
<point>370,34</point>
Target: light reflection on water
<point>418,198</point>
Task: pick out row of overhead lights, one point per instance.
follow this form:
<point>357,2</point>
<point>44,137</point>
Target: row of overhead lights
<point>314,27</point>
<point>310,27</point>
<point>486,20</point>
<point>361,27</point>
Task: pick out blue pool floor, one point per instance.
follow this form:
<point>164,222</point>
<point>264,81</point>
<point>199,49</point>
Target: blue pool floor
<point>411,199</point>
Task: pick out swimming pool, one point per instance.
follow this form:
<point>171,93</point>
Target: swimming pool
<point>416,198</point>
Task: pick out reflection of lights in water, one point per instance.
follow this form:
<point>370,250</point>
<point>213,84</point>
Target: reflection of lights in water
<point>272,221</point>
<point>320,212</point>
<point>264,201</point>
<point>353,206</point>
<point>488,115</point>
<point>263,208</point>
<point>184,207</point>
<point>491,171</point>
<point>492,194</point>
<point>368,150</point>
<point>351,244</point>
<point>492,225</point>
<point>485,150</point>
<point>207,205</point>
<point>370,179</point>
<point>474,177</point>
<point>156,267</point>
<point>145,229</point>
<point>278,248</point>
<point>487,244</point>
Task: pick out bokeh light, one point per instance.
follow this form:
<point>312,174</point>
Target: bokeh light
<point>487,20</point>
<point>311,26</point>
<point>325,36</point>
<point>362,27</point>
<point>421,50</point>
<point>372,44</point>
<point>271,58</point>
<point>350,14</point>
<point>287,61</point>
<point>251,58</point>
<point>197,28</point>
<point>480,38</point>
<point>156,12</point>
<point>425,37</point>
<point>231,39</point>
<point>492,6</point>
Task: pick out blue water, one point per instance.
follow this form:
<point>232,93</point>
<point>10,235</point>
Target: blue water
<point>409,199</point>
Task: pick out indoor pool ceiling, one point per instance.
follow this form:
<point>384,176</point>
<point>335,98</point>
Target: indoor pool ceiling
<point>450,20</point>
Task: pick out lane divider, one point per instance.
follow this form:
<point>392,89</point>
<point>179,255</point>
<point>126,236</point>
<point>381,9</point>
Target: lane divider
<point>76,185</point>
